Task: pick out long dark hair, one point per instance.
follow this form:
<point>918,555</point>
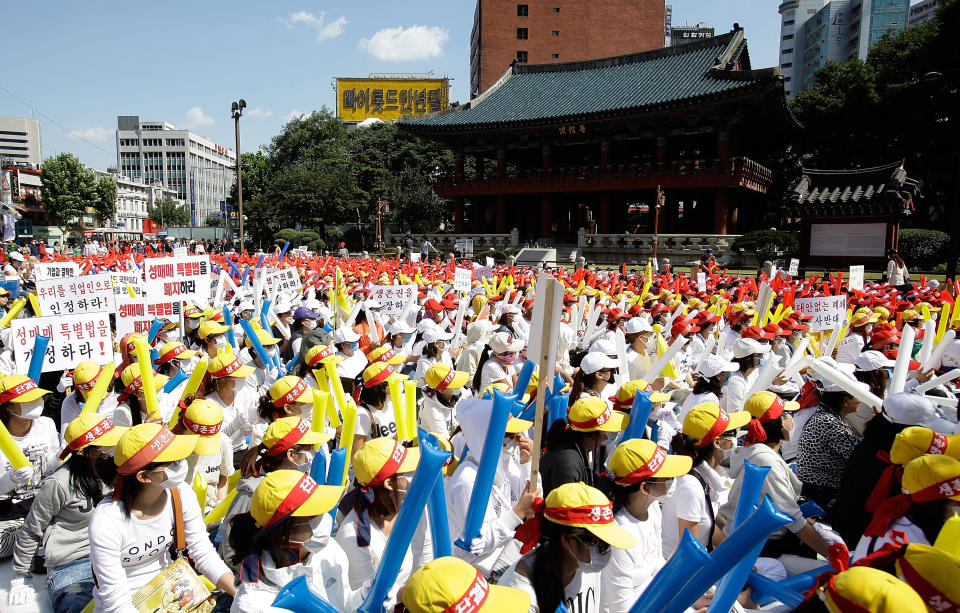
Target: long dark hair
<point>833,401</point>
<point>431,350</point>
<point>876,379</point>
<point>707,384</point>
<point>84,477</point>
<point>547,562</point>
<point>929,516</point>
<point>477,376</point>
<point>619,494</point>
<point>375,396</point>
<point>242,530</point>
<point>581,382</point>
<point>267,411</point>
<point>559,435</point>
<point>893,255</point>
<point>687,445</point>
<point>126,487</point>
<point>774,430</point>
<point>744,363</point>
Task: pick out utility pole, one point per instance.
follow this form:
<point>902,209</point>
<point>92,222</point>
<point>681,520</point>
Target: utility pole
<point>236,111</point>
<point>661,200</point>
<point>381,209</point>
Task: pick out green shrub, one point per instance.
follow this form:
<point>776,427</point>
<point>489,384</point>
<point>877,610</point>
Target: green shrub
<point>923,249</point>
<point>766,244</point>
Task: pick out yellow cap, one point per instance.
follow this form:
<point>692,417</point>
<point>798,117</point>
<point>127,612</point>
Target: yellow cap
<point>85,375</point>
<point>227,365</point>
<point>90,429</point>
<point>19,388</point>
<point>441,376</point>
<point>581,506</point>
<point>640,459</point>
<point>174,350</point>
<point>284,493</point>
<point>211,327</point>
<point>861,588</point>
<point>378,373</point>
<point>204,418</point>
<point>767,406</point>
<point>385,353</point>
<point>932,477</point>
<point>287,432</point>
<point>628,391</point>
<point>132,381</point>
<point>450,584</point>
<point>147,443</point>
<point>706,421</point>
<point>594,414</point>
<point>290,389</point>
<point>381,458</point>
<point>321,354</point>
<point>915,441</point>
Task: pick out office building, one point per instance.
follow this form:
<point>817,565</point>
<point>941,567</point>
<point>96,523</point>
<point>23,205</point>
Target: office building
<point>680,35</point>
<point>198,170</point>
<point>552,31</point>
<point>134,201</point>
<point>20,142</point>
<point>838,30</point>
<point>922,12</point>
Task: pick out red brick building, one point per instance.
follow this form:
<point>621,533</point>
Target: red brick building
<point>546,31</point>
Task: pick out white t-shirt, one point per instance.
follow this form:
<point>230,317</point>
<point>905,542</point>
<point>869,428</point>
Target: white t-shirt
<point>581,595</point>
<point>70,410</point>
<point>629,571</point>
<point>689,503</point>
<point>372,423</point>
<point>41,445</point>
<point>911,532</point>
<point>492,371</point>
<point>693,400</point>
<point>850,348</point>
<point>211,467</point>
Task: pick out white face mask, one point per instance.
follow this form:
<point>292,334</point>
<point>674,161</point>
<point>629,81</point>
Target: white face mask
<point>728,453</point>
<point>32,409</point>
<point>305,467</point>
<point>318,540</point>
<point>221,342</point>
<point>193,324</point>
<point>309,324</point>
<point>176,474</point>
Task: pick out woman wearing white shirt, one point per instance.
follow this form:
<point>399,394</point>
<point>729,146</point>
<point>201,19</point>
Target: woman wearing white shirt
<point>714,372</point>
<point>496,362</point>
<point>897,274</point>
<point>131,532</point>
<point>748,354</point>
<point>709,434</point>
<point>375,411</point>
<point>238,400</point>
<point>434,352</point>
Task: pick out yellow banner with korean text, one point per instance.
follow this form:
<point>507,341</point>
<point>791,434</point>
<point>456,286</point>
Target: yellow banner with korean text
<point>388,99</point>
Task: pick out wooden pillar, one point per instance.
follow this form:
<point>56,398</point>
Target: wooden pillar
<point>501,216</point>
<point>720,211</point>
<point>547,159</point>
<point>458,215</point>
<point>661,148</point>
<point>603,214</point>
<point>732,218</point>
<point>501,163</point>
<point>604,154</point>
<point>723,147</point>
<point>545,218</point>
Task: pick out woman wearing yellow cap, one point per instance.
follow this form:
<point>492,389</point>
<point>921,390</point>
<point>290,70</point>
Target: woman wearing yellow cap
<point>131,532</point>
<point>382,468</point>
<point>574,529</point>
<point>285,536</point>
<point>289,396</point>
<point>861,589</point>
<point>443,388</point>
<point>132,403</point>
<point>450,584</point>
<point>60,514</point>
<point>708,436</point>
<point>230,388</point>
<point>21,405</point>
<point>375,415</point>
<point>643,473</point>
<point>212,458</point>
<point>84,377</point>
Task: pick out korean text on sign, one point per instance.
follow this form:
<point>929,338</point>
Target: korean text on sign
<point>73,295</point>
<point>56,270</point>
<point>136,314</point>
<point>73,339</point>
<point>395,298</point>
<point>828,312</point>
<point>178,278</point>
<point>283,281</point>
<point>123,279</point>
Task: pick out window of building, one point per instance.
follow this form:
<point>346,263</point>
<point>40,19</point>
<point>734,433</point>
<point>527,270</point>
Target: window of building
<point>521,34</point>
<point>556,32</point>
<point>789,22</point>
<point>556,9</point>
<point>523,10</point>
<point>786,65</point>
<point>788,37</point>
<point>521,57</point>
<point>787,51</point>
<point>555,56</point>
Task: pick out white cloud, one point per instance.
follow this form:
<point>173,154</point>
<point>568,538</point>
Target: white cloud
<point>259,112</point>
<point>294,114</point>
<point>195,117</point>
<point>319,23</point>
<point>96,133</point>
<point>405,44</point>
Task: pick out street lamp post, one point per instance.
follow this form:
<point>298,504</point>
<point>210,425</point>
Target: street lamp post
<point>661,200</point>
<point>236,111</point>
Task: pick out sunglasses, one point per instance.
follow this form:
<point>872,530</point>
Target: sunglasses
<point>592,541</point>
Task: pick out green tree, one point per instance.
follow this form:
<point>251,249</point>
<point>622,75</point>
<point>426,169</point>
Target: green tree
<point>169,213</point>
<point>67,189</point>
<point>106,205</point>
<point>766,244</point>
<point>213,222</point>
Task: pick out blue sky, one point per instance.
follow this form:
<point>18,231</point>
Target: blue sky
<point>83,63</point>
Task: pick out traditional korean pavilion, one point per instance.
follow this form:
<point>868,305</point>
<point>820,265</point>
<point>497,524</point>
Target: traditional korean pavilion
<point>557,147</point>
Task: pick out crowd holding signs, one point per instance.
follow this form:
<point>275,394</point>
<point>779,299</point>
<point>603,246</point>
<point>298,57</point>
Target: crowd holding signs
<point>297,432</point>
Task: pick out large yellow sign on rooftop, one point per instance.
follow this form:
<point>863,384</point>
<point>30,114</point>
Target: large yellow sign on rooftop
<point>386,99</point>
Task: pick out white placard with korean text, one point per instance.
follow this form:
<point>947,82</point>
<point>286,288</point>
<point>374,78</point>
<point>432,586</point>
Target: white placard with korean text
<point>55,270</point>
<point>180,252</point>
<point>794,267</point>
<point>490,262</point>
<point>75,295</point>
<point>122,279</point>
<point>828,312</point>
<point>136,314</point>
<point>394,298</point>
<point>178,278</point>
<point>73,339</point>
<point>701,282</point>
<point>462,278</point>
<point>855,282</point>
<point>283,281</point>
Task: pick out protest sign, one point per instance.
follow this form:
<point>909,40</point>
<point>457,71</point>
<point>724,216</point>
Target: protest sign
<point>794,267</point>
<point>394,298</point>
<point>55,270</point>
<point>465,247</point>
<point>701,282</point>
<point>490,262</point>
<point>855,281</point>
<point>122,279</point>
<point>483,272</point>
<point>415,256</point>
<point>656,264</point>
<point>828,312</point>
<point>74,295</point>
<point>180,252</point>
<point>136,314</point>
<point>73,339</point>
<point>282,281</point>
<point>181,278</point>
<point>462,279</point>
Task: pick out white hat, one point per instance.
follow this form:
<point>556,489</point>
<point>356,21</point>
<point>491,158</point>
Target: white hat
<point>747,346</point>
<point>436,334</point>
<point>509,309</point>
<point>345,335</point>
<point>426,324</point>
<point>603,346</point>
<point>714,365</point>
<point>872,360</point>
<point>914,410</point>
<point>283,305</point>
<point>594,361</point>
<point>637,324</point>
<point>246,305</point>
<point>372,303</point>
<point>16,255</point>
<point>313,304</point>
<point>505,343</point>
<point>400,327</point>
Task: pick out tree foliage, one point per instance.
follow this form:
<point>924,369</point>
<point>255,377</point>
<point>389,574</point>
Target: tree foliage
<point>923,249</point>
<point>766,244</point>
<point>67,190</point>
<point>106,205</point>
<point>169,213</point>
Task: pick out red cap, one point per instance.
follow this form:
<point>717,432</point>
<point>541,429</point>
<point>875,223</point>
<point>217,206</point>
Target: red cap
<point>756,333</point>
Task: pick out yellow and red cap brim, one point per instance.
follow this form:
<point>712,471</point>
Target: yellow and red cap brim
<point>207,445</point>
<point>515,425</point>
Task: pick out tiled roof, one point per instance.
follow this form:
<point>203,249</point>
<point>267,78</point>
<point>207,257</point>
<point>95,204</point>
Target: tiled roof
<point>887,188</point>
<point>651,80</point>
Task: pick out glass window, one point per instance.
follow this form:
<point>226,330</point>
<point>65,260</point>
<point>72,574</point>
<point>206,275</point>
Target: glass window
<point>521,34</point>
<point>523,10</point>
<point>556,33</point>
<point>521,57</point>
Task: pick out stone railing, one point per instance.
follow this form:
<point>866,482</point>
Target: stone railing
<point>679,248</point>
<point>446,242</point>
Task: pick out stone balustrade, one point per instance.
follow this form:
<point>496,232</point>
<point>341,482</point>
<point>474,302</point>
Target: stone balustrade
<point>446,242</point>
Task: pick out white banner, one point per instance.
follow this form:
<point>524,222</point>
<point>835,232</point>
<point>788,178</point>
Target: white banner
<point>701,282</point>
<point>828,312</point>
<point>73,339</point>
<point>178,278</point>
<point>55,270</point>
<point>75,295</point>
<point>855,281</point>
<point>137,314</point>
<point>282,281</point>
<point>794,267</point>
<point>395,298</point>
<point>122,279</point>
<point>462,278</point>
